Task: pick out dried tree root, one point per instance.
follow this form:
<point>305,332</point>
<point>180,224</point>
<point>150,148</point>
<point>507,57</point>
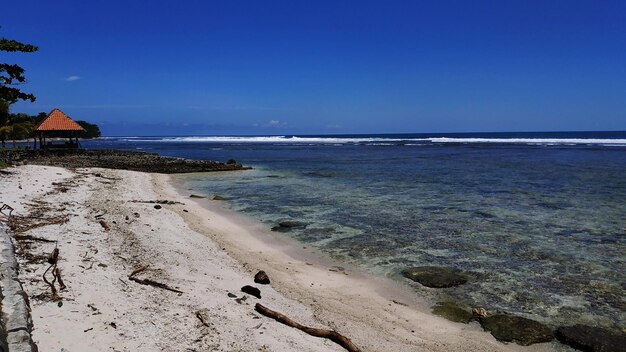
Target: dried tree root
<point>52,260</point>
<point>57,273</point>
<point>328,334</point>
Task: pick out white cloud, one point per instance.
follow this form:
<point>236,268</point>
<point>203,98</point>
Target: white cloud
<point>274,122</point>
<point>72,78</point>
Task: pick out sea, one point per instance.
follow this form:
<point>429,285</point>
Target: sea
<point>538,220</point>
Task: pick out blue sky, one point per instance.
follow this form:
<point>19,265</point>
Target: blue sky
<point>296,67</point>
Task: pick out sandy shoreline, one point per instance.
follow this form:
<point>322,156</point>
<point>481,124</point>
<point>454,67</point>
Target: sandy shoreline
<point>207,253</point>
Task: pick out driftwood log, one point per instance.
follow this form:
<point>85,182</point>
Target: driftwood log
<point>327,334</point>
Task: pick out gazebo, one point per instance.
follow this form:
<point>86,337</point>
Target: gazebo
<point>58,124</point>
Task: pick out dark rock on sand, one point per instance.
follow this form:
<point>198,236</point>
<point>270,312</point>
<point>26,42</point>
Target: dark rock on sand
<point>592,339</point>
<point>452,312</point>
<point>287,225</point>
<point>216,197</point>
<point>434,276</point>
<point>511,328</point>
<point>253,291</point>
<point>157,206</point>
<point>196,196</point>
<point>262,278</point>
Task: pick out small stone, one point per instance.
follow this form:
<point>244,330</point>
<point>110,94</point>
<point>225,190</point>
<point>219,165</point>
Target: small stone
<point>261,278</point>
<point>157,206</point>
<point>232,295</point>
<point>511,328</point>
<point>216,197</point>
<point>253,291</point>
<point>196,196</point>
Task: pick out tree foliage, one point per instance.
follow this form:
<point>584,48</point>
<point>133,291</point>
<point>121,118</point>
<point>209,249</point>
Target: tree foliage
<point>11,74</point>
<point>91,130</point>
<point>19,126</point>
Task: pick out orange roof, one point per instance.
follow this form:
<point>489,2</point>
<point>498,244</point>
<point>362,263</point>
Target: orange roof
<point>58,121</point>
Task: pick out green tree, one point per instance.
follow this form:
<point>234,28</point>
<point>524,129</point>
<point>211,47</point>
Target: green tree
<point>91,130</point>
<point>20,126</point>
<point>11,74</point>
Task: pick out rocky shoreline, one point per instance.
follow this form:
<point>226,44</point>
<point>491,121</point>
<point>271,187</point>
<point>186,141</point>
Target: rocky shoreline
<point>116,159</point>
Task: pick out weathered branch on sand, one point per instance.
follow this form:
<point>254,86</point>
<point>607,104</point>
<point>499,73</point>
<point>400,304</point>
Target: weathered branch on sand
<point>327,334</point>
<point>32,238</point>
<point>56,274</point>
<point>149,282</point>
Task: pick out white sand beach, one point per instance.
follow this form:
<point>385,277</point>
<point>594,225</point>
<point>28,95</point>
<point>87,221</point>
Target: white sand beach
<point>208,253</point>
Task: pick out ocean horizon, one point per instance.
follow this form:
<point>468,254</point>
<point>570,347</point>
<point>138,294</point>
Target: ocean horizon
<point>535,219</point>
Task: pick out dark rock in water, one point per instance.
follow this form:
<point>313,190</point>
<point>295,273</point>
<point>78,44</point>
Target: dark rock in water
<point>196,196</point>
<point>592,339</point>
<point>262,278</point>
<point>287,225</point>
<point>511,328</point>
<point>216,197</point>
<point>292,223</point>
<point>253,291</point>
<point>452,312</point>
<point>434,276</point>
<point>231,162</point>
<point>157,206</point>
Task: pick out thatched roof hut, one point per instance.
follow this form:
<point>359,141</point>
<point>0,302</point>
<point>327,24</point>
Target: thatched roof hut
<point>58,124</point>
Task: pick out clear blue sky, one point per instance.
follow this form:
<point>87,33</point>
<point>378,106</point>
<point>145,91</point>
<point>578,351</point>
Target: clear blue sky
<point>304,67</point>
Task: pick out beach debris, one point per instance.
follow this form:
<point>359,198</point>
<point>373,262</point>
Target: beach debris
<point>435,276</point>
<point>6,208</point>
<point>32,238</point>
<point>196,196</point>
<point>324,333</point>
<point>104,225</point>
<point>591,338</point>
<point>150,282</point>
<point>338,269</point>
<point>162,201</point>
<point>261,278</point>
<point>452,312</point>
<point>203,317</point>
<point>157,207</point>
<point>253,291</point>
<point>216,197</point>
<point>19,224</point>
<point>479,313</point>
<point>511,328</point>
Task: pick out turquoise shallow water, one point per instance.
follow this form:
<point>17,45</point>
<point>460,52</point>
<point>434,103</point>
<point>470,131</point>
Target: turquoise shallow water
<point>540,227</point>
